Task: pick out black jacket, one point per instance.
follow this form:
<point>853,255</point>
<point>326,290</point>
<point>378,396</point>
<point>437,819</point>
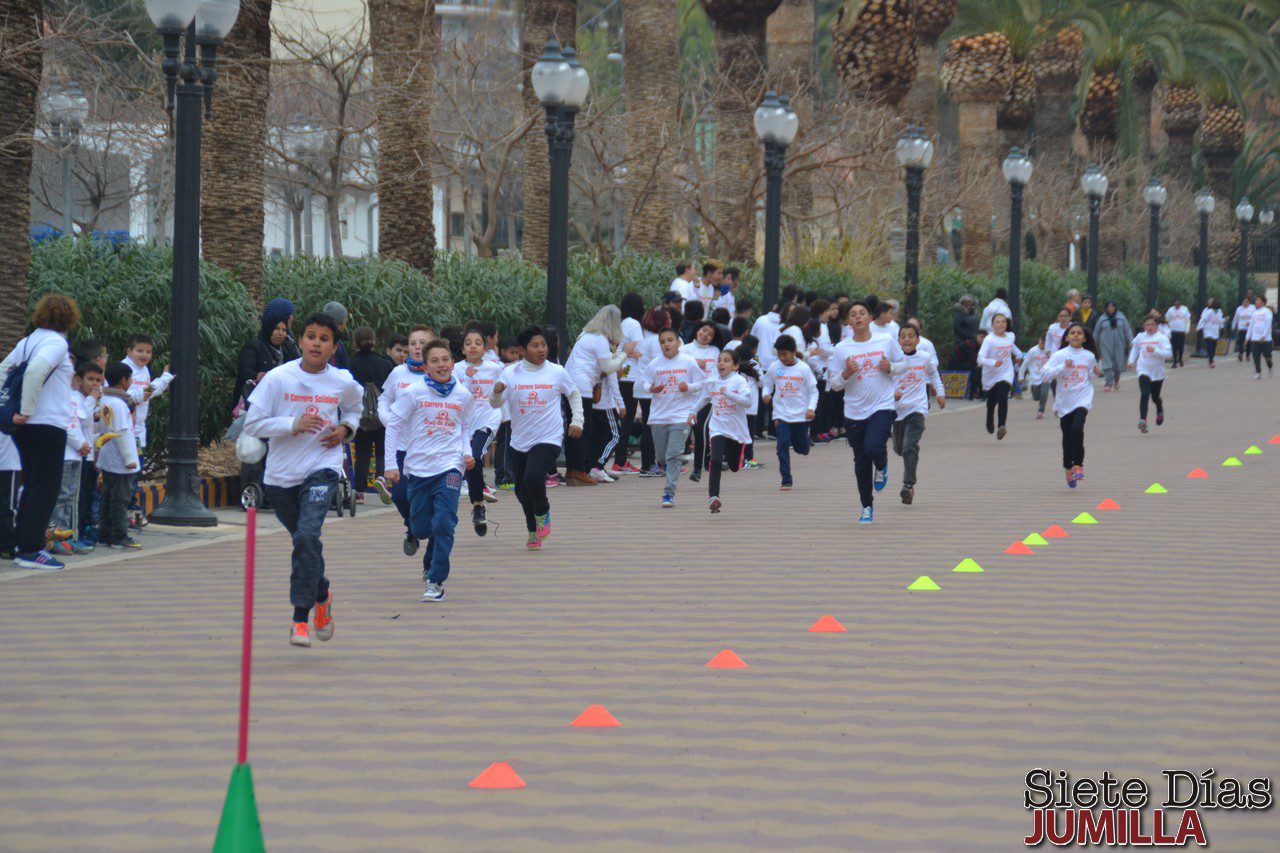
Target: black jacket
<point>258,356</point>
<point>368,366</point>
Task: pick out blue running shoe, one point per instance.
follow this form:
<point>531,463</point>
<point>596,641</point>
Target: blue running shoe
<point>868,515</point>
<point>881,478</point>
<point>668,500</point>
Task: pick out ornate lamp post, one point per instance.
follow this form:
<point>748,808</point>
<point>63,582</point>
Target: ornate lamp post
<point>1205,204</point>
<point>1155,196</point>
<point>66,109</point>
<point>562,86</point>
<point>914,152</point>
<point>205,23</point>
<point>1017,168</point>
<point>1244,213</point>
<point>776,126</point>
<point>1094,184</point>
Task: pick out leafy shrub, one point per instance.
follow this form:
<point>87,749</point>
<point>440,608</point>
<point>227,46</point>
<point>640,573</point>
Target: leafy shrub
<point>126,289</point>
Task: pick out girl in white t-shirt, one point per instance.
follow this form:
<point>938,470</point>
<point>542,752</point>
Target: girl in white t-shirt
<point>703,350</point>
<point>1210,325</point>
<point>1032,365</point>
<point>1148,352</point>
<point>729,395</point>
<point>998,357</point>
<point>533,388</point>
<point>1072,366</point>
<point>477,374</point>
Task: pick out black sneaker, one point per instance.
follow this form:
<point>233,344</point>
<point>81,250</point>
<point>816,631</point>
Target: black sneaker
<point>479,521</point>
<point>908,494</point>
<point>695,477</point>
<point>410,545</point>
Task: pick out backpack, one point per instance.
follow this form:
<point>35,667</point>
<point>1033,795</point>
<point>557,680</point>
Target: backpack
<point>369,419</point>
<point>11,395</point>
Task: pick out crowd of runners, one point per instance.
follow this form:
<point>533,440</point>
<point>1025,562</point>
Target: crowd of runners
<point>694,383</point>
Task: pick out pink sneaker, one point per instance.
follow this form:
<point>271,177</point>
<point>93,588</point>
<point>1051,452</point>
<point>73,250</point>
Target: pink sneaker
<point>543,523</point>
<point>553,481</point>
<point>1039,416</point>
<point>534,543</point>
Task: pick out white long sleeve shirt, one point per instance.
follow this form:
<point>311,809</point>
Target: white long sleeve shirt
<point>533,397</point>
<point>1243,316</point>
<point>1260,325</point>
<point>592,358</point>
<point>138,393</point>
<point>117,455</point>
<point>868,389</point>
<point>1033,364</point>
<point>632,333</point>
<point>1072,367</point>
<point>79,428</point>
<point>1211,322</point>
<point>794,391</point>
<point>284,395</point>
<point>1053,337</point>
<point>479,379</point>
<point>766,330</point>
<point>436,430</point>
<point>46,387</point>
<point>920,375</point>
<point>1178,318</point>
<point>996,356</point>
<point>1148,353</point>
<point>994,307</point>
<point>671,405</point>
<point>9,458</point>
<point>730,398</point>
<point>705,356</point>
<point>400,378</point>
<point>889,329</point>
<point>649,350</point>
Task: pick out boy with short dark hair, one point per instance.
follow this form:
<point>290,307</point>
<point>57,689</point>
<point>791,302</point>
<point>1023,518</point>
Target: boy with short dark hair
<point>309,409</point>
<point>117,457</point>
<point>141,391</point>
<point>86,389</point>
<point>510,351</point>
<point>791,388</point>
<point>397,349</point>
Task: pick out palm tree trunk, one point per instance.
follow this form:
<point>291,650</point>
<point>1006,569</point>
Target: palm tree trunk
<point>790,47</point>
<point>19,80</point>
<point>1146,95</point>
<point>543,20</point>
<point>402,35</point>
<point>233,153</point>
<point>740,54</point>
<point>1179,156</point>
<point>920,104</point>
<point>979,140</point>
<point>652,120</point>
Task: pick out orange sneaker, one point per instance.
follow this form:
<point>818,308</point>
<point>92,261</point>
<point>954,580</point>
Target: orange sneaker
<point>301,635</point>
<point>324,618</point>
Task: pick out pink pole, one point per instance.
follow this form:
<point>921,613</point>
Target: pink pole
<point>246,645</point>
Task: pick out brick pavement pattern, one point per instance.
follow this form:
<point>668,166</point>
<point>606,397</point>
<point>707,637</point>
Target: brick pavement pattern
<point>1144,642</point>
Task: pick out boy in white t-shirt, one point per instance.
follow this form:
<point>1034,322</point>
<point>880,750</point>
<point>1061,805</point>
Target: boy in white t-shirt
<point>10,470</point>
<point>86,389</point>
<point>141,391</point>
<point>309,409</point>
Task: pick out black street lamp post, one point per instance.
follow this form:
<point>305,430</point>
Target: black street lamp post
<point>914,152</point>
<point>205,24</point>
<point>1204,207</point>
<point>562,85</point>
<point>1017,168</point>
<point>1155,195</point>
<point>1094,184</point>
<point>776,126</point>
<point>1244,213</point>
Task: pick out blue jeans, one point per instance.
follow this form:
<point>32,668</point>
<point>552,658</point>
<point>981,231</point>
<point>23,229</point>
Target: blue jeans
<point>400,491</point>
<point>790,436</point>
<point>433,514</point>
<point>301,509</point>
<point>868,438</point>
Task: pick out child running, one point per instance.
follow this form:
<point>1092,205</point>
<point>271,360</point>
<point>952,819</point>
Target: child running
<point>1149,350</point>
<point>729,395</point>
<point>1032,369</point>
<point>477,373</point>
<point>1258,336</point>
<point>997,357</point>
<point>791,389</point>
<point>1071,366</point>
<point>675,379</point>
<point>911,402</point>
<point>1210,325</point>
<point>437,428</point>
<point>400,378</point>
<point>309,409</point>
<point>533,389</point>
<point>864,366</point>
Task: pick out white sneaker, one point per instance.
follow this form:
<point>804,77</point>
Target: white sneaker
<point>600,476</point>
<point>490,495</point>
<point>1257,376</point>
<point>433,592</point>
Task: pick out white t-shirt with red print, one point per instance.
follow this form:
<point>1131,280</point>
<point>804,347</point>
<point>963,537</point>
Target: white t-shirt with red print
<point>436,430</point>
<point>533,398</point>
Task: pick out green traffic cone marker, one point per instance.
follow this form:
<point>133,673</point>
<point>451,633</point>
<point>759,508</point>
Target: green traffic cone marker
<point>239,831</point>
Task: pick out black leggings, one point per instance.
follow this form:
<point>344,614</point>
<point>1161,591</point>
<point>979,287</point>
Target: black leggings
<point>725,453</point>
<point>480,440</point>
<point>1179,341</point>
<point>628,425</point>
<point>1072,424</point>
<point>647,455</point>
<point>530,468</point>
<point>370,444</point>
<point>40,447</point>
<point>1150,389</point>
<point>997,404</point>
<point>700,439</point>
<point>1261,350</point>
<point>1211,348</point>
<point>604,437</point>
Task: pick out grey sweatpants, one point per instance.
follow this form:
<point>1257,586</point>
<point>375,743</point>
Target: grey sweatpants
<point>668,447</point>
<point>906,443</point>
<point>66,512</point>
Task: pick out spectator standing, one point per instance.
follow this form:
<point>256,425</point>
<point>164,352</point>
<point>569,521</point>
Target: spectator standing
<point>370,370</point>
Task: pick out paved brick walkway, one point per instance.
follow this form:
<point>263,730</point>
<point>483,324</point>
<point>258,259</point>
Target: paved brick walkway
<point>1144,642</point>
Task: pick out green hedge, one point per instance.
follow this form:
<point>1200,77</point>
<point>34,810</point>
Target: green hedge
<point>125,289</point>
